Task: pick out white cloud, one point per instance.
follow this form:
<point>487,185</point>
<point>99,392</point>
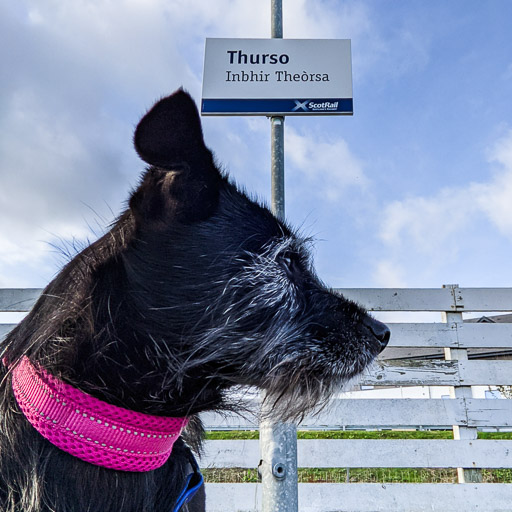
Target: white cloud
<point>327,165</point>
<point>389,275</point>
<point>324,19</point>
<point>424,234</point>
<point>427,224</point>
<point>495,198</point>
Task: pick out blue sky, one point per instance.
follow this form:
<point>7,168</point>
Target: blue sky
<point>414,190</point>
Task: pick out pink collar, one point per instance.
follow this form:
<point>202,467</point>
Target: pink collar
<point>90,429</point>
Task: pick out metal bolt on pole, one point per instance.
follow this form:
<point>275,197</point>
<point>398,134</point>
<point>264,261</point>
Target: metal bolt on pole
<point>278,441</point>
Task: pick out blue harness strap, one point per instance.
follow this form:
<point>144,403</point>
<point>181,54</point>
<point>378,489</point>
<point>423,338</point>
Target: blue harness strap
<point>193,482</point>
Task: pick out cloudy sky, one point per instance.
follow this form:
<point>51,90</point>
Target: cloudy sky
<point>414,190</point>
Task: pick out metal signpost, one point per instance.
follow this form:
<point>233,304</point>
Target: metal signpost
<point>278,441</point>
<point>277,77</point>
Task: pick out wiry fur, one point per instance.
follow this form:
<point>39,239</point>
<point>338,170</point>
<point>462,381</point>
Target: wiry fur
<point>195,290</point>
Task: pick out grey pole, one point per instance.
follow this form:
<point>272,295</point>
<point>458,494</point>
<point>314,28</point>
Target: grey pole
<point>278,441</point>
<point>277,127</point>
<point>277,164</point>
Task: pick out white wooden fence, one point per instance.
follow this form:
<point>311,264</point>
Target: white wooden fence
<point>462,412</point>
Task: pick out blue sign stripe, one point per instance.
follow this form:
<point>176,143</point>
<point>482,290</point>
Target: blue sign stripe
<point>300,106</point>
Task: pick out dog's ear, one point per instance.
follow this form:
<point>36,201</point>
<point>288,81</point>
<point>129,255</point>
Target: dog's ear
<point>170,133</point>
<point>183,181</point>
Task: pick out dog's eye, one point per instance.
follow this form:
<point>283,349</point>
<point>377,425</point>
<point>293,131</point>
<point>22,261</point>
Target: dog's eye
<point>290,263</point>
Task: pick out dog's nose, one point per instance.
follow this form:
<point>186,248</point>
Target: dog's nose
<point>380,331</point>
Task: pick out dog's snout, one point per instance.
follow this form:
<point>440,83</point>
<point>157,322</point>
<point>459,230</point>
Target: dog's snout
<point>380,331</point>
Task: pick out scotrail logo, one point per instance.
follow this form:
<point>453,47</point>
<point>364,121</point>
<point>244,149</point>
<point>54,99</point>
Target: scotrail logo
<point>300,105</point>
<point>315,106</point>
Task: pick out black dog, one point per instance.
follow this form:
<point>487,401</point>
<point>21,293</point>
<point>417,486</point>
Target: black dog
<point>195,289</point>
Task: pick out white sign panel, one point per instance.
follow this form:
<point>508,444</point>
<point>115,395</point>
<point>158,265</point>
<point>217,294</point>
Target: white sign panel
<point>277,77</point>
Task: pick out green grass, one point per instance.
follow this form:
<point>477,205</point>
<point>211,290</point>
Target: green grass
<point>355,434</point>
<point>359,475</point>
<point>376,434</point>
<point>215,435</point>
<point>494,435</point>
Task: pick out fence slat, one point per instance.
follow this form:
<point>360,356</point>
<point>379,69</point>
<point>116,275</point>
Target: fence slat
<point>467,335</point>
<point>368,453</point>
<point>353,413</point>
<point>369,497</point>
<point>404,497</point>
<point>485,299</point>
<point>483,373</point>
<point>422,335</point>
<point>376,299</point>
<point>404,453</point>
<point>401,299</point>
<point>471,412</point>
<point>485,335</point>
<point>431,299</point>
<point>414,372</point>
<point>5,329</point>
<point>379,413</point>
<point>431,335</point>
<point>230,454</point>
<point>439,373</point>
<point>18,299</point>
<point>233,497</point>
<point>489,413</point>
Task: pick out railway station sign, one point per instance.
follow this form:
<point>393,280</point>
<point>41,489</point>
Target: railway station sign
<point>277,77</point>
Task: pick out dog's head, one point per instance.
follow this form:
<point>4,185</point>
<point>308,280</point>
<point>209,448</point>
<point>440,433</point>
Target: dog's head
<point>199,288</point>
<point>235,286</point>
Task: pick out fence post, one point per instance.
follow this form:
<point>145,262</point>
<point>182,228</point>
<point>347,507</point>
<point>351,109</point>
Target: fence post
<point>460,354</point>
